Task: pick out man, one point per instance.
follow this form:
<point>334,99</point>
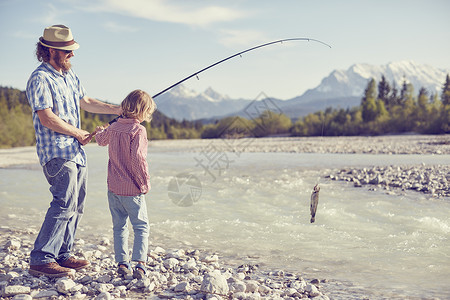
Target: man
<point>56,96</point>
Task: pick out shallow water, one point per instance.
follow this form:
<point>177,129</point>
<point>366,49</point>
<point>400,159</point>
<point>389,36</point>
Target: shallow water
<point>254,207</point>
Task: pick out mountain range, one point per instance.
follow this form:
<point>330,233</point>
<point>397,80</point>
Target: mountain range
<point>340,89</point>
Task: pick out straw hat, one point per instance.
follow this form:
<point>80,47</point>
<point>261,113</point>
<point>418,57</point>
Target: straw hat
<point>58,37</point>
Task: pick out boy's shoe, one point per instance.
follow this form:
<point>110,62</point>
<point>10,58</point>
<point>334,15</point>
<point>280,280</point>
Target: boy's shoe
<point>74,263</point>
<point>124,269</point>
<point>51,270</point>
<point>139,271</point>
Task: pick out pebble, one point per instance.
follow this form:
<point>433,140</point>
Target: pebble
<point>214,283</point>
<point>177,273</point>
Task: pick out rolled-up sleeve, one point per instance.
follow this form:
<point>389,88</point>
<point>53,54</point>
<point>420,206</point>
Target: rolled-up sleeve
<point>39,94</point>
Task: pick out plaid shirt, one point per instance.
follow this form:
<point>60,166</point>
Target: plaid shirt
<point>47,88</point>
<point>127,166</point>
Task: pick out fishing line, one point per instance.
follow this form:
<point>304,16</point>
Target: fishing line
<point>230,57</point>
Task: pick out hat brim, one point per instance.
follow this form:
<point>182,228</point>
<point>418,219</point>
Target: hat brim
<point>74,46</point>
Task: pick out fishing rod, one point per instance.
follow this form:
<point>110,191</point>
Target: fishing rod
<point>234,55</point>
<point>230,57</point>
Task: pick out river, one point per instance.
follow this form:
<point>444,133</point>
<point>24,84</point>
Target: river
<point>254,208</point>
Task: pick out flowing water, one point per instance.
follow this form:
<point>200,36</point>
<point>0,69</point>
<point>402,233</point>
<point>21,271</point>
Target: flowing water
<point>254,208</point>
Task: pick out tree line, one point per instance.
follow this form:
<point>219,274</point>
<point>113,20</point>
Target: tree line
<point>383,110</point>
<point>16,124</point>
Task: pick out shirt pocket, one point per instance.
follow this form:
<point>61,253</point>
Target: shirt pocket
<point>64,106</point>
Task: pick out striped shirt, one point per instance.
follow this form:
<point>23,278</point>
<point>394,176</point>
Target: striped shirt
<point>47,88</point>
<point>127,165</point>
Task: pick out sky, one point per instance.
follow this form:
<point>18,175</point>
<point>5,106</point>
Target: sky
<point>151,44</point>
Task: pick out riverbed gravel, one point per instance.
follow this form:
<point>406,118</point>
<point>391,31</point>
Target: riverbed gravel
<point>171,274</point>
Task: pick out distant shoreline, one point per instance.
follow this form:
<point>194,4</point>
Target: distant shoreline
<point>390,144</point>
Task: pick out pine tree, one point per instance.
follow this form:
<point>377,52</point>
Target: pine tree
<point>393,96</point>
<point>406,93</point>
<point>422,112</point>
<point>445,97</point>
<point>369,105</point>
<point>384,90</point>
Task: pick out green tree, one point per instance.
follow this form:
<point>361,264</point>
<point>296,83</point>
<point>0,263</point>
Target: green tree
<point>445,98</point>
<point>368,103</point>
<point>393,96</point>
<point>445,110</point>
<point>230,127</point>
<point>384,90</point>
<point>422,111</point>
<point>271,123</point>
<point>311,125</point>
<point>406,93</point>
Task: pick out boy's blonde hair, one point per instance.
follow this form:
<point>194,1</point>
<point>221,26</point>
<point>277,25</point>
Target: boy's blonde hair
<point>138,105</point>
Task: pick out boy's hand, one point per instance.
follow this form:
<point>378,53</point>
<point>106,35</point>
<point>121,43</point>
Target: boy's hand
<point>98,129</point>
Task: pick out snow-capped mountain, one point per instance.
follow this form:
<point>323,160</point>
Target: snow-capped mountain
<point>353,81</point>
<point>345,88</point>
<point>182,103</point>
<point>341,88</point>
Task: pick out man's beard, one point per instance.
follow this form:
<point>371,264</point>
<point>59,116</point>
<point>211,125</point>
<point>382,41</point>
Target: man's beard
<point>60,61</point>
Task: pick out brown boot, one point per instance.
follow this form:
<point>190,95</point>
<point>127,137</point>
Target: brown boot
<point>74,263</point>
<point>124,270</point>
<point>50,270</point>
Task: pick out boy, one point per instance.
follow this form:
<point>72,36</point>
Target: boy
<point>128,179</point>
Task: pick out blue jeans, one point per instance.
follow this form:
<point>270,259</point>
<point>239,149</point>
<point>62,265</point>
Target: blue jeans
<point>135,208</point>
<point>68,186</point>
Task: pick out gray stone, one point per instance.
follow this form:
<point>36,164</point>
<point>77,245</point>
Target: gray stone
<point>13,245</point>
<point>104,279</point>
<point>103,296</point>
<point>45,294</point>
<point>150,287</point>
<point>170,263</point>
<point>215,283</point>
<point>251,286</point>
<point>312,290</point>
<point>210,258</point>
<point>78,296</point>
<point>12,290</point>
<point>64,285</point>
<point>182,287</point>
<point>238,287</point>
<point>22,297</point>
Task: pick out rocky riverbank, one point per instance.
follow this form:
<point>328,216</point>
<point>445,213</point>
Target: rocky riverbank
<point>432,180</point>
<point>172,274</point>
<point>390,144</point>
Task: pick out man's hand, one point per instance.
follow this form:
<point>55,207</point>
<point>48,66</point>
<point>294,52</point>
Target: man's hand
<point>84,137</point>
<point>55,123</point>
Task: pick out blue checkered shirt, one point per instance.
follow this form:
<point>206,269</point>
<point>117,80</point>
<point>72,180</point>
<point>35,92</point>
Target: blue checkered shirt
<point>47,88</point>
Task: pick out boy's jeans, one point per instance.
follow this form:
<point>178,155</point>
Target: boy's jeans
<point>68,186</point>
<point>135,208</point>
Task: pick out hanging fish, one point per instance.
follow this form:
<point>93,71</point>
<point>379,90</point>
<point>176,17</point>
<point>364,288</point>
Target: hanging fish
<point>314,202</point>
